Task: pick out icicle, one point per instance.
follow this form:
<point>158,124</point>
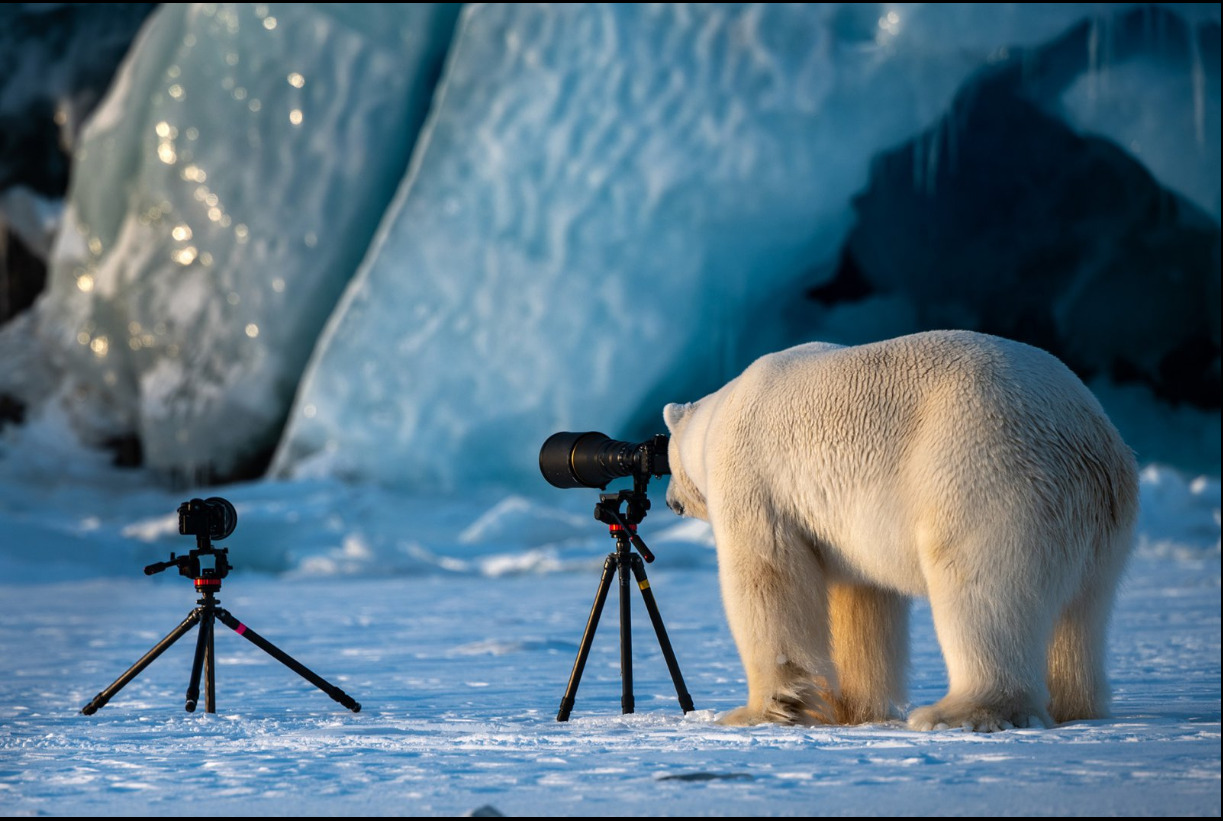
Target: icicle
<point>919,147</point>
<point>953,128</point>
<point>1093,62</point>
<point>1198,74</point>
<point>932,159</point>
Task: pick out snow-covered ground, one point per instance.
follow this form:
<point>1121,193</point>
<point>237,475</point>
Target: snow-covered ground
<point>455,621</point>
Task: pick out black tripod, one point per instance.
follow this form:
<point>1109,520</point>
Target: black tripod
<point>624,529</point>
<point>207,583</point>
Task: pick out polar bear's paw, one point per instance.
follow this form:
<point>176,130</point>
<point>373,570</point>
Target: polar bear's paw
<point>956,714</point>
<point>742,717</point>
<point>775,713</point>
<point>803,703</point>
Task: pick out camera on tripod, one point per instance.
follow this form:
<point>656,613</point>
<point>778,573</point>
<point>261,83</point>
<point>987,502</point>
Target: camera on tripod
<point>213,517</point>
<point>207,566</point>
<point>592,459</point>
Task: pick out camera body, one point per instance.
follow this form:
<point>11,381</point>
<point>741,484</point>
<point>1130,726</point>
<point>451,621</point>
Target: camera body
<point>592,459</point>
<point>214,518</point>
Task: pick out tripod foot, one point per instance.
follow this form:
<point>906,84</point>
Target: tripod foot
<point>99,701</point>
<point>346,700</point>
<point>284,658</point>
<point>566,708</point>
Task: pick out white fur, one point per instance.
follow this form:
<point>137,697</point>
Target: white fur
<point>973,470</point>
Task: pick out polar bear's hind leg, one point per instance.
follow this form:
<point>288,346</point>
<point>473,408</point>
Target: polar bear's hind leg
<point>993,627</point>
<point>1077,678</point>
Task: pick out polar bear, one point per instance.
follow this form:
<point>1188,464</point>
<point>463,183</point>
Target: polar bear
<point>841,481</point>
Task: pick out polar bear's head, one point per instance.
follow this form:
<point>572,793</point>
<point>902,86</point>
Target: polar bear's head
<point>683,495</point>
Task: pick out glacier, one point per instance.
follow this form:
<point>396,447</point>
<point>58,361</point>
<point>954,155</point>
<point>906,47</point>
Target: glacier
<point>405,243</point>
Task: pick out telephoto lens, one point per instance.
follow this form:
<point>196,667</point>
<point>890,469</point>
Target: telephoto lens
<point>593,459</point>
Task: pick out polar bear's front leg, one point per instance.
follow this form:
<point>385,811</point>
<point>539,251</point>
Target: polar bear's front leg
<point>776,602</point>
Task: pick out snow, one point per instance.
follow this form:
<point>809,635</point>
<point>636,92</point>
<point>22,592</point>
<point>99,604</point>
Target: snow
<point>454,621</point>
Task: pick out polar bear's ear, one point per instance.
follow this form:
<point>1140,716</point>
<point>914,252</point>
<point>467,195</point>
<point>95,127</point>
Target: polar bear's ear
<point>674,413</point>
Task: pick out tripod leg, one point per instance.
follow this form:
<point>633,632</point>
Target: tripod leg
<point>202,643</point>
<point>592,624</point>
<point>685,700</point>
<point>626,641</point>
<point>210,668</point>
<point>284,658</point>
<point>148,658</point>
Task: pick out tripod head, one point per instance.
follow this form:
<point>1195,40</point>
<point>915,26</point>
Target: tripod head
<point>206,519</point>
<point>207,565</point>
<point>623,526</point>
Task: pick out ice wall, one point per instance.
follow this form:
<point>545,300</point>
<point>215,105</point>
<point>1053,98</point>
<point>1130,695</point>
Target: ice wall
<point>608,205</point>
<point>222,195</point>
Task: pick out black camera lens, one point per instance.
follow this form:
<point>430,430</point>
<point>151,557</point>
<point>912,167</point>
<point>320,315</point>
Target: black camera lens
<point>593,459</point>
